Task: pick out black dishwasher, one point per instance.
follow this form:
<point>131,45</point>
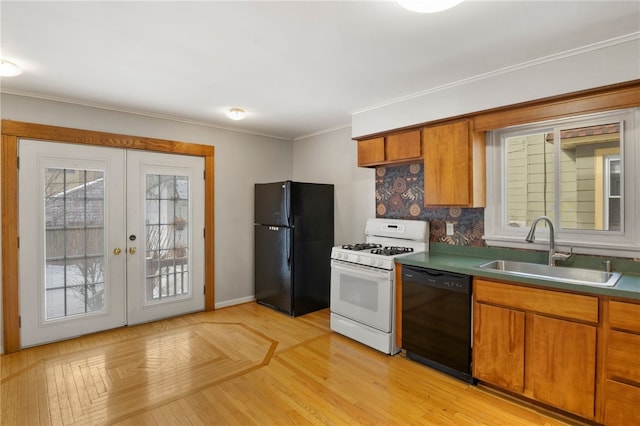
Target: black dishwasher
<point>436,320</point>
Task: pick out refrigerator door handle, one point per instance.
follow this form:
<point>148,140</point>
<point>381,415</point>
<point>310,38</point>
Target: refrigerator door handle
<point>286,193</point>
<point>289,246</point>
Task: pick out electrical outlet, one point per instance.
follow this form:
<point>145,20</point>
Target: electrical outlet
<point>449,228</point>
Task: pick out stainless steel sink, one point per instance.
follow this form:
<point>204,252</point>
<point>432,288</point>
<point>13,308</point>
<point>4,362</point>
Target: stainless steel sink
<point>554,273</point>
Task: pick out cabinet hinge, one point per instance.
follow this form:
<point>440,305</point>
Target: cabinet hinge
<point>204,232</point>
<point>18,242</point>
<point>204,289</point>
<point>19,321</point>
<point>204,174</point>
<point>18,162</point>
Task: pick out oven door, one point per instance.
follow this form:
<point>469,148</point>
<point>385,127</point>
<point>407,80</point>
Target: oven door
<point>363,294</point>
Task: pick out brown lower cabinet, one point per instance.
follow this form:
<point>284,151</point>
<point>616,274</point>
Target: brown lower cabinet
<point>622,384</point>
<point>563,362</point>
<point>498,346</point>
<point>579,353</point>
<point>538,343</point>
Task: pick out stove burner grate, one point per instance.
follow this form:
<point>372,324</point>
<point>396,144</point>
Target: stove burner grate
<point>391,251</point>
<point>361,246</point>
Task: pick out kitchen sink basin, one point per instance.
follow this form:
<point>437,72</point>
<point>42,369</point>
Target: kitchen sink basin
<point>553,273</point>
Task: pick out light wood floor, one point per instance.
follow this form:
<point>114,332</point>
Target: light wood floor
<point>244,365</point>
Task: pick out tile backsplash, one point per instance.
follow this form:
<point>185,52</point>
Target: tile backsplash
<point>400,195</point>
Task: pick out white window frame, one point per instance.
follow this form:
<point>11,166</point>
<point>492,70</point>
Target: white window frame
<point>624,243</point>
<point>607,187</point>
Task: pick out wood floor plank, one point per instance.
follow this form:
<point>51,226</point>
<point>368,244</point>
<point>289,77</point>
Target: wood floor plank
<point>242,365</point>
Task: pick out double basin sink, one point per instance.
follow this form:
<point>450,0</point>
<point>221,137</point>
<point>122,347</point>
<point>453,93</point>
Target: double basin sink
<point>553,273</point>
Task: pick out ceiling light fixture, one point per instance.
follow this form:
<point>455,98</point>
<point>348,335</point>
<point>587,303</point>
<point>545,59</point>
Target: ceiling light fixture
<point>428,6</point>
<point>236,113</point>
<point>9,69</point>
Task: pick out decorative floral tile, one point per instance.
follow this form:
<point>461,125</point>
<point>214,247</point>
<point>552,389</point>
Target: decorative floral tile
<point>400,195</point>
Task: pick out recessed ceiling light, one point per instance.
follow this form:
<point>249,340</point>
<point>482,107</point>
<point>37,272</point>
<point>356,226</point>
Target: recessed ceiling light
<point>236,113</point>
<point>9,69</point>
<point>428,6</point>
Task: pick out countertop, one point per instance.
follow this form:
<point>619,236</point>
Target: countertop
<point>466,261</point>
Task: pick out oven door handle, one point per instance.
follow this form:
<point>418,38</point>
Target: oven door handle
<point>360,270</point>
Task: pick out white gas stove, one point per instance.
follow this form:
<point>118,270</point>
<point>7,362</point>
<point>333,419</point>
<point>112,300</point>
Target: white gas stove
<point>363,280</point>
<point>385,240</point>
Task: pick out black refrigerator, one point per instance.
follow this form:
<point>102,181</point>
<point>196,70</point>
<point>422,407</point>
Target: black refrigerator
<point>293,239</point>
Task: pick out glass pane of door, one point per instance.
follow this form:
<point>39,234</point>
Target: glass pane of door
<point>167,237</point>
<point>74,242</point>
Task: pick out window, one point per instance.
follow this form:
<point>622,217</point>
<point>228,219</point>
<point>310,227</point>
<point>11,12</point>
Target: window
<point>574,172</point>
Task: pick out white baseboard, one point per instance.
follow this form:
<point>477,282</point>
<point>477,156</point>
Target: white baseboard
<point>234,302</point>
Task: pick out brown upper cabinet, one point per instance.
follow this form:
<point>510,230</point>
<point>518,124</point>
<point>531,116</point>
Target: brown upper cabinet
<point>389,149</point>
<point>454,165</point>
<point>454,151</point>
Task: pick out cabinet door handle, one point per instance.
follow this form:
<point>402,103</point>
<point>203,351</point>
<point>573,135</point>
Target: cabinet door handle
<point>132,250</point>
<point>117,251</point>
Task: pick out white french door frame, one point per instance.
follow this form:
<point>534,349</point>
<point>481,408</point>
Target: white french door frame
<point>40,322</point>
<point>142,304</point>
<point>12,132</point>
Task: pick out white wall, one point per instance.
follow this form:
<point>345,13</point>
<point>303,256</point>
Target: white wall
<point>240,161</point>
<point>332,158</point>
<point>593,66</point>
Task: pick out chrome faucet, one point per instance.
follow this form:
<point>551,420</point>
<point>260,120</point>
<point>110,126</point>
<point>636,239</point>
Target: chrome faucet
<point>553,256</point>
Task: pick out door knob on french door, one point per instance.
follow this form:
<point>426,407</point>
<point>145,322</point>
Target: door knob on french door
<point>117,251</point>
<point>132,250</point>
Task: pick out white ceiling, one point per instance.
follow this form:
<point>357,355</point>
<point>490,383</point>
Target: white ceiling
<point>298,68</point>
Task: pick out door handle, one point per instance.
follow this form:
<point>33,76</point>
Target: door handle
<point>117,251</point>
<point>132,250</point>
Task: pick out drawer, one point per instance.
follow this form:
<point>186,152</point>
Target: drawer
<point>624,316</point>
<point>557,303</point>
<point>621,404</point>
<point>623,356</point>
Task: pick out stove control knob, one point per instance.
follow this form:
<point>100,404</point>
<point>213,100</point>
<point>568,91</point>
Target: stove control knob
<point>357,258</point>
<point>372,262</point>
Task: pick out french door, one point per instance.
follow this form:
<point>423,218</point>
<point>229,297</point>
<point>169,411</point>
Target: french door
<point>108,237</point>
<point>165,235</point>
